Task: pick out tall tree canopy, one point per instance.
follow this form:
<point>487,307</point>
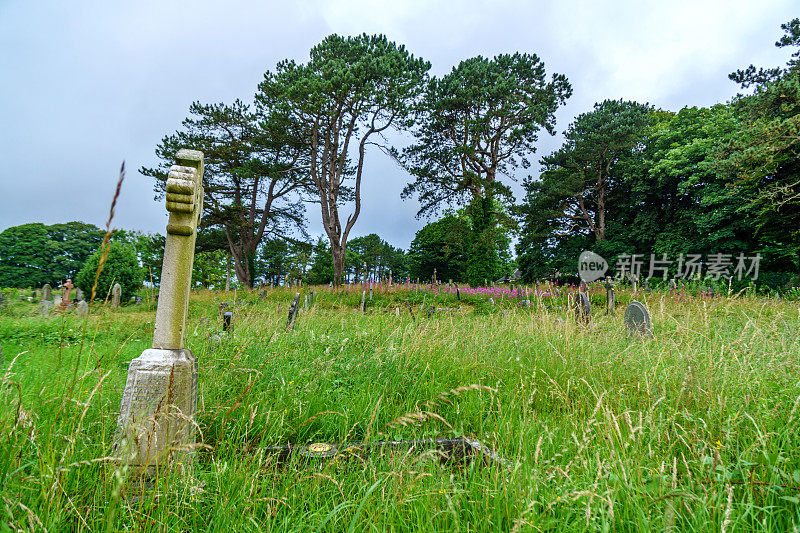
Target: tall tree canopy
<point>762,159</point>
<point>478,124</point>
<point>254,174</point>
<point>351,91</point>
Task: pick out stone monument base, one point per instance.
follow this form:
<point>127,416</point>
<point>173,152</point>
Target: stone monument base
<point>155,425</point>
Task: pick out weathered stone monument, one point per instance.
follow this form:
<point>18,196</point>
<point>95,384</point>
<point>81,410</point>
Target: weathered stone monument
<point>79,294</point>
<point>116,293</point>
<point>637,320</point>
<point>155,423</point>
<point>82,308</point>
<point>611,299</point>
<point>66,291</point>
<point>582,308</point>
<point>47,292</point>
<point>293,311</point>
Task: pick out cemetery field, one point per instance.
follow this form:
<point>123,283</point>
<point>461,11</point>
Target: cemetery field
<point>696,428</point>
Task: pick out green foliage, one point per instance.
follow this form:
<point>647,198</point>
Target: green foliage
<point>613,409</point>
<point>121,266</point>
<point>251,181</point>
<point>442,245</point>
<point>479,123</point>
<point>34,254</point>
<point>351,91</point>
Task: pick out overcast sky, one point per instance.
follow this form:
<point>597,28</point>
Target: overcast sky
<point>84,85</point>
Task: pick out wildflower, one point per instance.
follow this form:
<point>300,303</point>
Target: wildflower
<point>719,444</point>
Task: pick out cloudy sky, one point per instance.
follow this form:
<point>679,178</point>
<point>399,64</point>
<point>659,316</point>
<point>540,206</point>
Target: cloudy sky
<point>84,85</point>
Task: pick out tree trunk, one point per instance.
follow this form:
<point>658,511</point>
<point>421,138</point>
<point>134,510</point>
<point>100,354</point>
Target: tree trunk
<point>228,274</point>
<point>337,253</point>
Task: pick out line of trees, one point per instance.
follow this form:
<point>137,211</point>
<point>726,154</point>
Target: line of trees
<point>304,139</point>
<point>630,178</point>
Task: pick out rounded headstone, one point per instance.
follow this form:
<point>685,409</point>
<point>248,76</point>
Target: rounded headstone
<point>637,320</point>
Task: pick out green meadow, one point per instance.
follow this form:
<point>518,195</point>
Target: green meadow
<point>694,429</point>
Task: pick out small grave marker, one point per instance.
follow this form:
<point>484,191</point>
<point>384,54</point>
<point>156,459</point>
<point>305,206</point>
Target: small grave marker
<point>293,311</point>
<point>82,308</point>
<point>116,294</point>
<point>582,308</point>
<point>611,298</point>
<point>637,320</point>
<point>226,320</point>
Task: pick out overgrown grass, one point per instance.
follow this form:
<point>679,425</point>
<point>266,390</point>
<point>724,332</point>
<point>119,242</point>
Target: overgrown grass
<point>695,429</point>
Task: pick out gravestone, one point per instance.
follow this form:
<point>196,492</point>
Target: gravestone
<point>370,294</point>
<point>155,424</point>
<point>458,294</point>
<point>672,284</point>
<point>82,308</point>
<point>582,308</point>
<point>47,292</point>
<point>305,302</point>
<point>226,320</point>
<point>57,301</point>
<point>611,298</point>
<point>116,294</point>
<point>79,294</point>
<point>397,311</point>
<point>293,311</point>
<point>363,304</point>
<point>311,298</point>
<point>637,320</point>
<point>66,291</point>
<point>45,307</point>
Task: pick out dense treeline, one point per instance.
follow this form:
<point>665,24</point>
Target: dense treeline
<point>631,179</point>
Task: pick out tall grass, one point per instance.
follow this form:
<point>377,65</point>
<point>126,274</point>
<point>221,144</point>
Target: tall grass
<point>697,428</point>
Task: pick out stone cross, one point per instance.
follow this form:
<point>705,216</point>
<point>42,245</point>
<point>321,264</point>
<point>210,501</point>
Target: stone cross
<point>66,290</point>
<point>116,295</point>
<point>155,423</point>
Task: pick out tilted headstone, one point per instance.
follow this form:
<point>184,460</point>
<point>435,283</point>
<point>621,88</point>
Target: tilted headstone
<point>637,320</point>
<point>160,398</point>
<point>293,311</point>
<point>116,294</point>
<point>82,308</point>
<point>582,308</point>
<point>47,292</point>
